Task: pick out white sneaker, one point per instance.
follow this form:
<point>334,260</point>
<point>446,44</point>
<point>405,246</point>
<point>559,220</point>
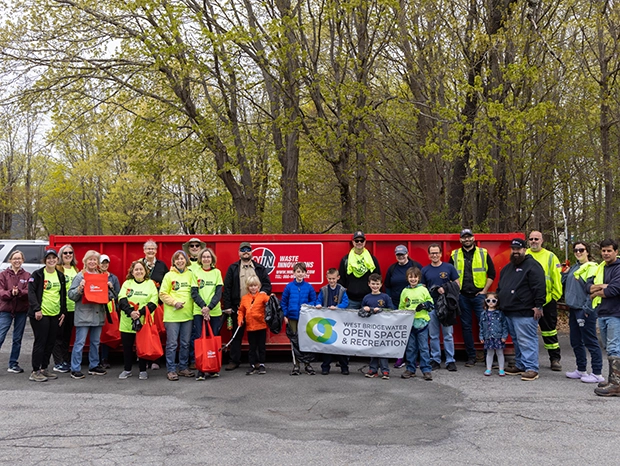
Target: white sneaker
<point>125,375</point>
<point>591,378</point>
<point>143,375</point>
<point>576,374</point>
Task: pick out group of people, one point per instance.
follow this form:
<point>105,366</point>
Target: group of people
<point>193,294</point>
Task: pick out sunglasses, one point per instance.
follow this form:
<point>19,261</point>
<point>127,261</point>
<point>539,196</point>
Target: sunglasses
<point>534,239</point>
<point>67,253</point>
<point>246,249</point>
<point>359,240</point>
<point>579,250</point>
<point>491,300</point>
<point>194,245</point>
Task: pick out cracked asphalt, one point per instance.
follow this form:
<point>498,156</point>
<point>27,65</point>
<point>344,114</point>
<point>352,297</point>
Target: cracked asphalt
<point>276,419</point>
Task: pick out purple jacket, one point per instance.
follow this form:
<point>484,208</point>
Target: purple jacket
<point>8,280</point>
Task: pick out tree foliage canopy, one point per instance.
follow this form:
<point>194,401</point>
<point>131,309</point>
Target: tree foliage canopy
<point>269,116</point>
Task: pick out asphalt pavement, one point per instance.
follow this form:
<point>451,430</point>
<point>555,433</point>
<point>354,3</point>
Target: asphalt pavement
<point>276,419</point>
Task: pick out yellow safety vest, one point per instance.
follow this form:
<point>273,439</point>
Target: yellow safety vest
<point>479,266</point>
<point>551,265</point>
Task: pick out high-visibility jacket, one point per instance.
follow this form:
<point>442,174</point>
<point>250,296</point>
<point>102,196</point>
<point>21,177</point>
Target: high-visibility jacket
<point>553,277</point>
<point>479,266</point>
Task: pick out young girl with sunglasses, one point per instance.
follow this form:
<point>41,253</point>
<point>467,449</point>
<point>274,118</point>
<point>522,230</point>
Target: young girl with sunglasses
<point>493,332</point>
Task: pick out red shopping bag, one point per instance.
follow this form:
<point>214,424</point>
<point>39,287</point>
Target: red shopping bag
<point>96,288</point>
<point>148,344</point>
<point>110,333</point>
<point>207,350</point>
<point>158,318</point>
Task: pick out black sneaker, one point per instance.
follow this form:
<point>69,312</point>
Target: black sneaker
<point>471,362</point>
<point>309,370</point>
<point>251,371</point>
<point>77,375</point>
<point>451,366</point>
<point>97,371</point>
<point>15,369</point>
<point>261,369</point>
<point>435,365</point>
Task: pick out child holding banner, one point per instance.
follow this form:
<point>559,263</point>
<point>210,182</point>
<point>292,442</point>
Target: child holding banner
<point>416,297</point>
<point>375,302</point>
<point>295,294</point>
<point>333,296</point>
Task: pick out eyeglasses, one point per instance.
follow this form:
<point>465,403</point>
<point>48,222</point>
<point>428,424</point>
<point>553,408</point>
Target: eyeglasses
<point>67,253</point>
<point>490,300</point>
<point>194,245</point>
<point>245,249</point>
<point>534,239</point>
<point>579,250</point>
<point>359,240</point>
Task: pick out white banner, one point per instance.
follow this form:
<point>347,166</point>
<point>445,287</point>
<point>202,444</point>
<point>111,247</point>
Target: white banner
<point>342,331</point>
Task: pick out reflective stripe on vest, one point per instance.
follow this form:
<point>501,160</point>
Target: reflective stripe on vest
<point>479,268</point>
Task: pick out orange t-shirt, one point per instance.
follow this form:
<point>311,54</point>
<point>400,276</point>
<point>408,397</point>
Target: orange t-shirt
<point>252,311</point>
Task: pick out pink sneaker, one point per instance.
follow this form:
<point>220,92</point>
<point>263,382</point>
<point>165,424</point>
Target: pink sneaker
<point>575,374</point>
<point>591,378</point>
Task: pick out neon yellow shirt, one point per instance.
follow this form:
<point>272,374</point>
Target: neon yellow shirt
<point>139,293</point>
<point>50,301</point>
<point>177,287</point>
<point>207,281</point>
<point>70,275</point>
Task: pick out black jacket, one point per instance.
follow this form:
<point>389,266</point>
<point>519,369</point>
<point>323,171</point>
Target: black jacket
<point>35,291</point>
<point>231,295</point>
<point>522,288</point>
<point>357,288</point>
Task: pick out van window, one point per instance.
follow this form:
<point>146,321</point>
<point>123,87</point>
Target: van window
<point>33,253</point>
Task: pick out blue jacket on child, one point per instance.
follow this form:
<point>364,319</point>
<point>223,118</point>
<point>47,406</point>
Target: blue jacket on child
<point>295,294</point>
<point>493,324</point>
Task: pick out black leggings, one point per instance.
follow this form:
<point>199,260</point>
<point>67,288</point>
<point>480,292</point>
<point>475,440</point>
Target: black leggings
<point>45,331</point>
<point>257,340</point>
<point>63,338</point>
<point>128,340</point>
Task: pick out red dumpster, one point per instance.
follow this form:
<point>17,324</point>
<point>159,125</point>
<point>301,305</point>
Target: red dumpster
<point>278,253</point>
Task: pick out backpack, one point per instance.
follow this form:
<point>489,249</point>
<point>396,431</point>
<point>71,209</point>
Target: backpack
<point>274,315</point>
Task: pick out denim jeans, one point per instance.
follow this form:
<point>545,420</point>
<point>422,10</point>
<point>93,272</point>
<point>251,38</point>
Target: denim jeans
<point>417,348</point>
<point>582,338</point>
<point>178,334</point>
<point>19,324</point>
<point>354,304</point>
<point>93,348</point>
<point>448,340</point>
<point>524,333</point>
<point>610,334</point>
<point>376,363</point>
<point>469,306</point>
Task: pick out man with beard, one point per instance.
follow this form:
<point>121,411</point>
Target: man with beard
<point>521,292</point>
<point>234,287</point>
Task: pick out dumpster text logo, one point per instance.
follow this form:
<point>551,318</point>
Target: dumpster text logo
<point>321,330</point>
<point>264,257</point>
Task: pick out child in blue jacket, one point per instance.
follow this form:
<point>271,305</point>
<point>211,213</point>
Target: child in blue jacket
<point>295,294</point>
<point>493,332</point>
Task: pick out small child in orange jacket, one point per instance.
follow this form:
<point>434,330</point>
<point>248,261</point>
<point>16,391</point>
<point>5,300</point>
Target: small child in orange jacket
<point>252,313</point>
